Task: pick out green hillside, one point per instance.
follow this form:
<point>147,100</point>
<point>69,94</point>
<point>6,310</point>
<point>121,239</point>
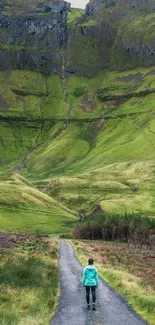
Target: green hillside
<point>82,134</point>
<point>24,208</point>
<point>101,153</point>
<point>77,149</point>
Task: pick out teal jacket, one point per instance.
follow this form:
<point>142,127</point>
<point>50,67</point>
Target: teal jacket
<point>90,276</point>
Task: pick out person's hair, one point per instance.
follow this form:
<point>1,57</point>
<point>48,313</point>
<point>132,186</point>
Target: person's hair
<point>90,261</point>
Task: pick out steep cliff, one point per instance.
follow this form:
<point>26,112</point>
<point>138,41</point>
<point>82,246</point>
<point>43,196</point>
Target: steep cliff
<point>32,33</point>
<point>94,6</point>
<point>114,35</point>
<point>111,34</point>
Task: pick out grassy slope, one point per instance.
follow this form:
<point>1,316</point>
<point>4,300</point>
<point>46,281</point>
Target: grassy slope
<point>111,158</point>
<point>89,101</point>
<point>30,96</point>
<point>130,184</point>
<point>24,208</point>
<point>126,270</point>
<point>27,99</point>
<point>29,283</point>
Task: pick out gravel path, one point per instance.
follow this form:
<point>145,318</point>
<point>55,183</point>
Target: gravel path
<point>112,308</point>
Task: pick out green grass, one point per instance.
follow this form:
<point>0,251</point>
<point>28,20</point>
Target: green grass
<point>31,94</point>
<point>24,208</point>
<point>111,93</point>
<point>131,184</point>
<point>125,139</point>
<point>73,15</point>
<point>54,105</point>
<point>23,92</point>
<point>104,161</point>
<point>36,222</point>
<point>53,157</point>
<point>107,160</point>
<point>29,283</point>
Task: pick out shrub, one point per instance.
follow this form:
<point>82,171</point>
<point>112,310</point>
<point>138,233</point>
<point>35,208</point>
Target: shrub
<point>130,228</point>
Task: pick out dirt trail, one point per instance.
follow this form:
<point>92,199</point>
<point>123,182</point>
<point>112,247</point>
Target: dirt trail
<point>112,308</point>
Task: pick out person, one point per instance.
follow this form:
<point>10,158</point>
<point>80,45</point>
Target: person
<point>90,282</point>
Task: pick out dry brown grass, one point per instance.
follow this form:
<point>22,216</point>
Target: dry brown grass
<point>129,270</point>
<point>138,262</point>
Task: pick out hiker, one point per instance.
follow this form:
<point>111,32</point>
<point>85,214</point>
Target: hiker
<point>90,282</point>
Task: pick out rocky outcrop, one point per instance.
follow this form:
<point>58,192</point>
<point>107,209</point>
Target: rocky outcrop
<point>142,48</point>
<point>44,26</point>
<point>94,6</point>
<point>109,35</point>
<point>31,33</point>
<point>114,34</point>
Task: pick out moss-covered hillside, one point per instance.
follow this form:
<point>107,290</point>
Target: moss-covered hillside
<point>92,144</point>
<point>82,135</point>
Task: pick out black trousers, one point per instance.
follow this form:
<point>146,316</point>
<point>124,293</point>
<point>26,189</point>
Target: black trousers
<point>93,292</point>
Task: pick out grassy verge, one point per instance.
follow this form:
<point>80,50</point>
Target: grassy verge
<point>128,270</point>
<point>29,283</point>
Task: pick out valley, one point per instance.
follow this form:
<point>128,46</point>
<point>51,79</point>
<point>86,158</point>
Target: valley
<point>77,160</point>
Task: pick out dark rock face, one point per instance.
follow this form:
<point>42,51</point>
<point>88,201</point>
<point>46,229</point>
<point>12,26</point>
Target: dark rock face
<point>46,31</point>
<point>143,49</point>
<point>108,35</point>
<point>125,30</point>
<point>94,6</point>
<point>89,47</point>
<point>31,37</point>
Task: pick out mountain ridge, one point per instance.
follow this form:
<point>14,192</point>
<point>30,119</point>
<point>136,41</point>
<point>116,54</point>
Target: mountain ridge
<point>33,37</point>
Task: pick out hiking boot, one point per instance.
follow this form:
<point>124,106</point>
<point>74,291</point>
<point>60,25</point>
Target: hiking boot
<point>88,307</point>
<point>93,307</point>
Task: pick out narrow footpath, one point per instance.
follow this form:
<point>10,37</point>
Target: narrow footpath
<point>112,308</point>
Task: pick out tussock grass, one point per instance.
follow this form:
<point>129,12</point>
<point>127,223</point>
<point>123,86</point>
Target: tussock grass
<point>116,188</point>
<point>29,283</point>
<point>128,270</point>
<point>17,191</point>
